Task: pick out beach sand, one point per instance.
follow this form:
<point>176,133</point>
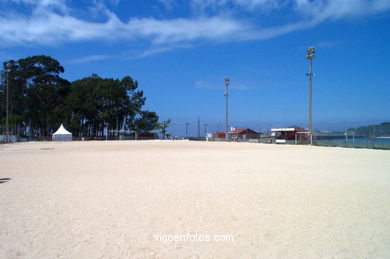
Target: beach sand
<point>111,199</point>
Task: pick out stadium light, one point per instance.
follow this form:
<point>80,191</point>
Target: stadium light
<point>310,56</point>
<point>7,70</point>
<point>227,80</point>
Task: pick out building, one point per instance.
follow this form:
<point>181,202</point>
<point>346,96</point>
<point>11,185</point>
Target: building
<point>147,136</point>
<point>289,135</point>
<point>219,135</point>
<point>247,133</point>
<point>137,135</point>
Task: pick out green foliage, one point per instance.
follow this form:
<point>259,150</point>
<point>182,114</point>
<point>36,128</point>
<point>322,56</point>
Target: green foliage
<point>147,121</point>
<point>36,92</point>
<point>12,119</point>
<point>95,103</point>
<point>40,100</point>
<point>164,126</point>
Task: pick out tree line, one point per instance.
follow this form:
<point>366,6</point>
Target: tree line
<point>40,100</point>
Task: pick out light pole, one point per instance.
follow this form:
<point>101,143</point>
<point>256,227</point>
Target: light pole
<point>310,56</point>
<point>227,99</point>
<point>187,129</point>
<point>198,127</point>
<point>7,70</point>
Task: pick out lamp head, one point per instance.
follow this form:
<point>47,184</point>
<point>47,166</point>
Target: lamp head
<point>310,53</point>
<point>227,80</point>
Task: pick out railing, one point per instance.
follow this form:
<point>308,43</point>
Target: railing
<point>372,143</point>
<point>362,143</point>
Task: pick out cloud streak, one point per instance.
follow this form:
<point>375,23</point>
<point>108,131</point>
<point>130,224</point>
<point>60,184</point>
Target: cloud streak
<point>51,23</point>
<point>88,59</point>
<point>51,28</point>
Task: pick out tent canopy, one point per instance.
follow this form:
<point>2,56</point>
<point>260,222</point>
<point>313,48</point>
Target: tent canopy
<point>62,134</point>
<point>62,131</point>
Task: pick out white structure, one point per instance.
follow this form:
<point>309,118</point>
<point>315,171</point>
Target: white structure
<point>62,134</point>
<point>12,138</point>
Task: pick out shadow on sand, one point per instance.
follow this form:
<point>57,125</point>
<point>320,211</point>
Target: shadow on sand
<point>4,180</point>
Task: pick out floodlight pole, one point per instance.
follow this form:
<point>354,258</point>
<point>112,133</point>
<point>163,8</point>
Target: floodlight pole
<point>7,66</point>
<point>187,129</point>
<point>198,127</point>
<point>227,100</point>
<point>310,56</point>
<point>311,102</point>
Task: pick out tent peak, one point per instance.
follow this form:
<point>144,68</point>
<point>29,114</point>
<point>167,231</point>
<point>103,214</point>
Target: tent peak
<point>62,131</point>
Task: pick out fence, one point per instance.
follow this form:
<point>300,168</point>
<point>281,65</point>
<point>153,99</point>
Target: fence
<point>12,138</point>
<point>377,143</point>
<point>371,143</point>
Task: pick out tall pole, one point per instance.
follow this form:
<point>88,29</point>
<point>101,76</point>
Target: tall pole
<point>7,112</point>
<point>187,129</point>
<point>310,56</point>
<point>310,101</point>
<point>198,127</point>
<point>227,101</point>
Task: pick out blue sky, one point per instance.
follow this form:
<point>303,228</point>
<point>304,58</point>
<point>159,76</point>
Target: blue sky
<point>180,52</point>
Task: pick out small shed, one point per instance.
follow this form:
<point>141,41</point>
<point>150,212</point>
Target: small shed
<point>284,135</point>
<point>244,134</point>
<point>220,134</point>
<point>62,134</point>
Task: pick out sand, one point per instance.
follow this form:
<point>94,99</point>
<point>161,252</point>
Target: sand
<point>113,199</point>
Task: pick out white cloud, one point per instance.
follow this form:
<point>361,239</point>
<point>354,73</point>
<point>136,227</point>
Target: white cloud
<point>156,49</point>
<point>53,28</point>
<point>215,28</point>
<point>51,22</point>
<point>208,85</point>
<point>48,27</point>
<point>339,9</point>
<point>88,59</point>
<point>167,3</point>
<point>202,5</point>
<point>59,5</point>
<point>318,9</point>
<point>115,2</point>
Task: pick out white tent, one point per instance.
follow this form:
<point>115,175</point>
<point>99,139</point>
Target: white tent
<point>62,134</point>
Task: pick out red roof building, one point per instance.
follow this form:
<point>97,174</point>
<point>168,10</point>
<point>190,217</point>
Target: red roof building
<point>219,134</point>
<point>282,135</point>
<point>244,134</point>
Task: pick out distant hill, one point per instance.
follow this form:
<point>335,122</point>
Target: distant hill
<point>378,130</point>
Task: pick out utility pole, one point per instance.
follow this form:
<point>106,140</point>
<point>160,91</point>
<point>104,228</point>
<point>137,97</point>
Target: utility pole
<point>310,56</point>
<point>227,80</point>
<point>7,69</point>
<point>107,133</point>
<point>187,129</point>
<point>198,127</point>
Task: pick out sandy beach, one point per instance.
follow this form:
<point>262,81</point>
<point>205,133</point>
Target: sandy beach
<point>119,199</point>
